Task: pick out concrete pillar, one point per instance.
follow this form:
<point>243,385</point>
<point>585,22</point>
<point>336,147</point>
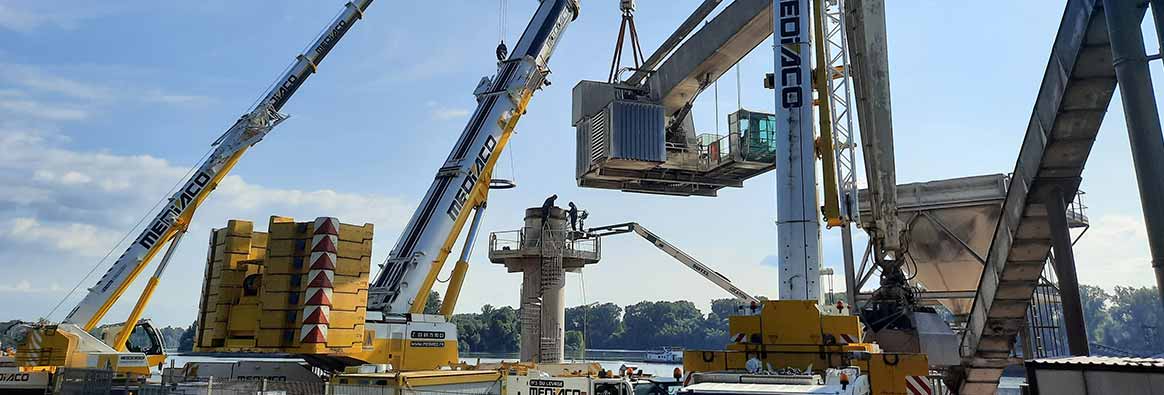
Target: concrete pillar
<point>530,311</point>
<point>553,321</point>
<point>543,295</point>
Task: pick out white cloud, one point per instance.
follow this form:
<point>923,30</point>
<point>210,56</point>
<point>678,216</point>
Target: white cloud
<point>1114,252</point>
<point>64,209</point>
<point>26,287</point>
<point>36,79</point>
<point>46,111</point>
<point>162,97</point>
<point>19,20</point>
<point>444,114</point>
<point>50,96</point>
<point>31,16</point>
<point>79,239</point>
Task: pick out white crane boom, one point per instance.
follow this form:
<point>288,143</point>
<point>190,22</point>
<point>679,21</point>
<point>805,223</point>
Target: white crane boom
<point>687,260</point>
<point>462,183</point>
<point>175,215</point>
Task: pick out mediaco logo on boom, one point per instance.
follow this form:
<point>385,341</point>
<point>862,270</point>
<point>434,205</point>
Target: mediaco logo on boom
<point>470,181</point>
<point>165,220</point>
<point>790,30</point>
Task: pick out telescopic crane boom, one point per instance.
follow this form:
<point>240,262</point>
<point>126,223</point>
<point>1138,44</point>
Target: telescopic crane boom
<point>687,260</point>
<point>174,218</point>
<point>401,334</point>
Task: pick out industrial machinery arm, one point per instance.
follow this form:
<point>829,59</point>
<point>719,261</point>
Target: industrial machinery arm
<point>400,334</point>
<point>169,224</point>
<point>462,183</point>
<point>687,260</point>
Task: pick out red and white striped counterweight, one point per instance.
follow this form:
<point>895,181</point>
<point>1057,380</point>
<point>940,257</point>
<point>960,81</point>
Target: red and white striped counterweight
<point>318,294</point>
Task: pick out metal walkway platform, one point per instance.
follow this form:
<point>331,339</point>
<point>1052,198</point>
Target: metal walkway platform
<point>1077,87</point>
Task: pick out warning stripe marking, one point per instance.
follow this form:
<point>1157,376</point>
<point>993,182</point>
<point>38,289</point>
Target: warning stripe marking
<point>918,385</point>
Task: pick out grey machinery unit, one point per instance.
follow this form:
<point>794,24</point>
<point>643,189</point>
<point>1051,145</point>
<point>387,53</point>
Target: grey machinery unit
<point>637,135</point>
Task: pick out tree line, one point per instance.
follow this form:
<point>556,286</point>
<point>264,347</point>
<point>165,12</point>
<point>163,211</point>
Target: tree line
<point>1126,321</point>
<point>181,339</point>
<point>642,325</point>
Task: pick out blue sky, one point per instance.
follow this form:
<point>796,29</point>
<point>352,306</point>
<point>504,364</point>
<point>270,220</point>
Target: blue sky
<point>103,107</point>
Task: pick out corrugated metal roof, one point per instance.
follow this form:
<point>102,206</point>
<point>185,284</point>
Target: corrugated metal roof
<point>1104,361</point>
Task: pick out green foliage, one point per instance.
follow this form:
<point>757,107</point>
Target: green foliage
<point>491,330</point>
<point>1136,320</point>
<point>602,323</point>
<point>186,342</point>
<point>574,340</point>
<point>655,324</point>
<point>1095,314</point>
<point>433,304</point>
<point>171,336</point>
<point>1128,319</point>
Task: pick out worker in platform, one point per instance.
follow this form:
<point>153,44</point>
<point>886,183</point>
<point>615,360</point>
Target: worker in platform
<point>573,213</point>
<point>549,203</point>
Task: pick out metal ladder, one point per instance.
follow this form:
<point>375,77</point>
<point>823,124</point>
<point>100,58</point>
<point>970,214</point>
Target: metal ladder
<point>552,277</point>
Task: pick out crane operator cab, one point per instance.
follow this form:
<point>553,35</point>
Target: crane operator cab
<point>145,339</point>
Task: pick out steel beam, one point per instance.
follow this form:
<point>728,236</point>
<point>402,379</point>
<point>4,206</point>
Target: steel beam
<point>850,267</point>
<point>673,41</point>
<point>1143,118</point>
<point>1064,264</point>
<point>711,51</point>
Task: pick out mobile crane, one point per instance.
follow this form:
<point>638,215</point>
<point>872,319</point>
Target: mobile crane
<point>69,344</point>
<point>400,334</point>
<point>396,333</point>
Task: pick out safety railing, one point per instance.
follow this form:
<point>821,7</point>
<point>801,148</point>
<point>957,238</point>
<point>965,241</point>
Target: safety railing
<point>514,241</point>
<point>1077,212</point>
<point>508,240</point>
<point>750,147</point>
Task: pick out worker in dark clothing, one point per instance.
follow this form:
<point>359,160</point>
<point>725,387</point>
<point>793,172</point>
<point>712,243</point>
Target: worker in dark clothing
<point>549,203</point>
<point>573,213</point>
